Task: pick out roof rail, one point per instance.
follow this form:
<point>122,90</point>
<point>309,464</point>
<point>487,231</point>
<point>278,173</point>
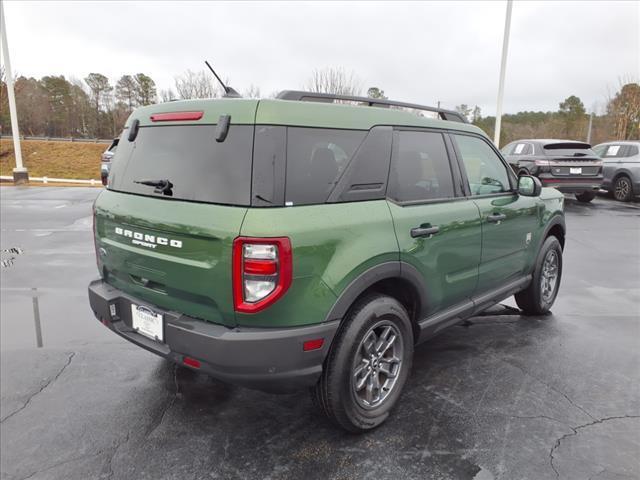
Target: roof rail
<point>301,96</point>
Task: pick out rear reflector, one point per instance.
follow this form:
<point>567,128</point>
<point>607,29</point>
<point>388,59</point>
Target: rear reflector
<point>176,116</point>
<point>191,362</point>
<point>313,344</point>
<point>261,267</point>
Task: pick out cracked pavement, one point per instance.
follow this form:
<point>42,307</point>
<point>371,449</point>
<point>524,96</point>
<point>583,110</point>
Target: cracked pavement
<point>498,397</point>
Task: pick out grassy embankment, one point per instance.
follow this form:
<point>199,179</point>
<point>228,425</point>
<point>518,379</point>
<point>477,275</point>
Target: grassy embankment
<point>77,160</point>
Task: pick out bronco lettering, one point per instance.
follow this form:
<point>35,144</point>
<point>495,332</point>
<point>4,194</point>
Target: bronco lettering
<point>150,241</point>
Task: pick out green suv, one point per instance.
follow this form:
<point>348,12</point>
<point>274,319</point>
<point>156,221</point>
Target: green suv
<point>314,240</point>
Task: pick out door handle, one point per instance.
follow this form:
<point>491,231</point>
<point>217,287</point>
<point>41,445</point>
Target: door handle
<point>424,231</point>
<point>496,217</point>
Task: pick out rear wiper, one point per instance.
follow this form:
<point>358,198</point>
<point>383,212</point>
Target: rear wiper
<point>162,186</point>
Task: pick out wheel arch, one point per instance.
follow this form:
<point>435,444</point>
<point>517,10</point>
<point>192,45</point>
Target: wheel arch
<point>396,279</point>
<point>621,172</point>
<point>556,228</point>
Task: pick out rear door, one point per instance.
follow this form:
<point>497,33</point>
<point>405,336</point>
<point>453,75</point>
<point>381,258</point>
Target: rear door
<point>509,221</point>
<point>438,230</point>
<point>172,247</point>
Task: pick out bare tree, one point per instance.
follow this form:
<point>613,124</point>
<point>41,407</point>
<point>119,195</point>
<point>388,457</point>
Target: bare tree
<point>334,80</point>
<point>196,85</point>
<point>624,110</point>
<point>167,95</point>
<point>252,92</point>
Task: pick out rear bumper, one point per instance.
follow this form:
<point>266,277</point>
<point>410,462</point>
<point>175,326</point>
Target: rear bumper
<point>571,184</point>
<point>271,360</point>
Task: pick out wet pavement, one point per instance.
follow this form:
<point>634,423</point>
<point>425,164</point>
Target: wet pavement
<point>499,397</point>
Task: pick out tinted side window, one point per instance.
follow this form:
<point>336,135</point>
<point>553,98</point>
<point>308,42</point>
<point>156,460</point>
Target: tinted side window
<point>315,159</point>
<point>420,168</point>
<point>523,149</point>
<point>485,171</point>
<point>508,149</point>
<point>613,151</point>
<point>269,157</point>
<point>600,149</point>
<point>632,150</point>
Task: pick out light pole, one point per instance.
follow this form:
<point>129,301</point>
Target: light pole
<point>20,174</point>
<point>503,67</point>
<point>589,128</point>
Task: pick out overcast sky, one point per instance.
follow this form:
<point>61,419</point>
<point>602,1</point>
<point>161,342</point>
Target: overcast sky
<point>414,51</point>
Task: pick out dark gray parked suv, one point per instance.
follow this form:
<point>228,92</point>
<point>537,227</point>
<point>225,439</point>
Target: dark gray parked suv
<point>621,165</point>
<point>567,165</point>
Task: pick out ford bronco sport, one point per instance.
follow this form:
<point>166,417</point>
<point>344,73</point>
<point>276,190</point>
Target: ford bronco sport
<point>313,240</point>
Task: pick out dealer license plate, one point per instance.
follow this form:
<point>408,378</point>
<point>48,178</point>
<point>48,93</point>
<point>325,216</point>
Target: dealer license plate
<point>147,322</point>
<point>575,171</point>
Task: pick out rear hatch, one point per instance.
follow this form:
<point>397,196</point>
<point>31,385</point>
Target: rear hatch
<point>573,159</point>
<point>168,241</point>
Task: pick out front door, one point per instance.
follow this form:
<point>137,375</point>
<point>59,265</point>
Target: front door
<point>438,231</point>
<point>509,220</point>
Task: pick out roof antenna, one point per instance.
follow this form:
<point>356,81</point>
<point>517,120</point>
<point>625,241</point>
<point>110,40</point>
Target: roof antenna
<point>228,91</point>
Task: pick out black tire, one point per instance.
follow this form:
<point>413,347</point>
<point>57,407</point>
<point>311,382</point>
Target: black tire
<point>586,197</point>
<point>533,300</point>
<point>623,189</point>
<point>335,393</point>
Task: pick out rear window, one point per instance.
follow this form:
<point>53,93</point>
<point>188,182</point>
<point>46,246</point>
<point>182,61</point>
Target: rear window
<point>316,157</point>
<point>569,149</point>
<point>199,168</point>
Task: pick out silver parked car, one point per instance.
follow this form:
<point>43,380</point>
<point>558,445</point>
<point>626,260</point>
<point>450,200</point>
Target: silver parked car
<point>621,164</point>
<point>105,161</point>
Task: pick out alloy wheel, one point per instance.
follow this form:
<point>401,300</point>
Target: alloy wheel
<point>377,364</point>
<point>549,275</point>
<point>622,189</point>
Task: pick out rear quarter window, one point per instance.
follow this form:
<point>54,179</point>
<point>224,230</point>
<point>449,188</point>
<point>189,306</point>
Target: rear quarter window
<point>199,168</point>
<point>316,157</point>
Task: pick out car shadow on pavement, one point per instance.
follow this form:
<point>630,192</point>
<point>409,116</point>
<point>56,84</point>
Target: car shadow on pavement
<point>433,429</point>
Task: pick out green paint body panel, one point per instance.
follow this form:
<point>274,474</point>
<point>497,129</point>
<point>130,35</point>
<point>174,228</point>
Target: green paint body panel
<point>195,279</point>
<point>507,246</point>
<point>242,111</point>
<point>333,244</point>
<point>447,261</point>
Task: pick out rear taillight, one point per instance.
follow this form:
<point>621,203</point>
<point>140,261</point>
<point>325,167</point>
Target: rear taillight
<point>262,270</point>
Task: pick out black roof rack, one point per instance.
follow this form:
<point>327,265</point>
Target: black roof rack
<point>371,102</point>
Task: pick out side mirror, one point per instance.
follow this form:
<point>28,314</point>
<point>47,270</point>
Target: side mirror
<point>529,186</point>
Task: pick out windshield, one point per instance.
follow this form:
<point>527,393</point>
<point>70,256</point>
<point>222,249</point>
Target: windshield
<point>198,168</point>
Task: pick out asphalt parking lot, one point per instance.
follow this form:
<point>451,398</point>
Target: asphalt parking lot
<point>499,397</point>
